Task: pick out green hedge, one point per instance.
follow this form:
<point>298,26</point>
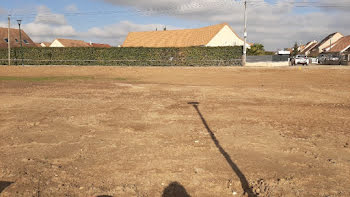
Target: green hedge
<point>192,56</point>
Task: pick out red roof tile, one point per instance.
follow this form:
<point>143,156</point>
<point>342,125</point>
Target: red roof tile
<point>341,45</point>
<point>14,38</point>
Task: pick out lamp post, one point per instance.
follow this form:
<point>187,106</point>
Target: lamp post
<point>20,38</point>
<point>244,57</point>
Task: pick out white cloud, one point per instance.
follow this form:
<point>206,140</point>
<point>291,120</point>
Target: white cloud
<point>45,16</point>
<point>115,34</point>
<point>47,26</point>
<point>275,25</point>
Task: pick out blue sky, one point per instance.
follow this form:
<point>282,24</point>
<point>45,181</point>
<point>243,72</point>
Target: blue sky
<point>275,23</point>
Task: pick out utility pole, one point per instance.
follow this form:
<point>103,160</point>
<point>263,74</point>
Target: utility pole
<point>244,57</point>
<point>9,40</point>
<point>20,37</point>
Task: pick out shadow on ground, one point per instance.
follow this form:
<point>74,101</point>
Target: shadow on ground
<point>175,189</point>
<point>104,196</point>
<point>245,185</point>
<point>4,185</point>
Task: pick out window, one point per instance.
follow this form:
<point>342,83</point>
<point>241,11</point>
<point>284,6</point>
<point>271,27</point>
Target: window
<point>26,41</point>
<point>16,40</point>
<point>6,40</point>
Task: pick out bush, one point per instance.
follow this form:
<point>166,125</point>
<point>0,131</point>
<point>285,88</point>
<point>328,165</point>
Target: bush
<point>192,56</point>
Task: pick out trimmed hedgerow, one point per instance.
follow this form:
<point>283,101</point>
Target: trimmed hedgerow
<point>191,56</point>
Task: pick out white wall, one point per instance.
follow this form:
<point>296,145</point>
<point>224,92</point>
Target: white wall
<point>332,40</point>
<point>56,43</point>
<point>226,37</point>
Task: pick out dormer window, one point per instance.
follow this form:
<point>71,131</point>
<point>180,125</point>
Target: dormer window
<point>6,40</point>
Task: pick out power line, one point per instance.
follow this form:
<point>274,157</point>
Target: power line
<point>178,10</point>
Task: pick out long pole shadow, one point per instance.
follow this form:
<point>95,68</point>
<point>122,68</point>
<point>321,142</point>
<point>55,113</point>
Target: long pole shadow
<point>4,185</point>
<point>245,185</point>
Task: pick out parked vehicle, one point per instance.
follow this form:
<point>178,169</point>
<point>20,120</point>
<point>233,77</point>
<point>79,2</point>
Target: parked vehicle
<point>299,59</point>
<point>335,60</point>
<point>329,59</point>
<point>322,59</point>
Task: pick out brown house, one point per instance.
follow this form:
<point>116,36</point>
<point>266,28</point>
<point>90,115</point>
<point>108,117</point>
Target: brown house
<point>324,45</point>
<point>342,48</point>
<point>97,45</point>
<point>308,47</point>
<point>69,43</point>
<point>14,38</point>
<point>211,36</point>
<point>341,45</point>
<point>76,43</point>
<point>45,44</point>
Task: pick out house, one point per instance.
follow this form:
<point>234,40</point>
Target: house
<point>98,45</point>
<point>341,48</point>
<point>211,36</point>
<point>325,43</point>
<point>69,43</point>
<point>308,47</point>
<point>14,38</point>
<point>301,47</point>
<point>45,44</point>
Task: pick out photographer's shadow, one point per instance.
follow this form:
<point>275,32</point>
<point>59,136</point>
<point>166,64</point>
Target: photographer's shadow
<point>175,189</point>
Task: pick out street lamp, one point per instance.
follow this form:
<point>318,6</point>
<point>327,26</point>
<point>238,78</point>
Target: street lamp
<point>20,38</point>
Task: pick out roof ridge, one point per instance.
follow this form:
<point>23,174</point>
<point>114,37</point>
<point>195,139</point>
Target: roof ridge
<point>177,38</point>
<point>222,24</point>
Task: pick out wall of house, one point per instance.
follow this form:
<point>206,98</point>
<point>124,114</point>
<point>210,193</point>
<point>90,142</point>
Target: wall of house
<point>226,37</point>
<point>56,43</point>
<point>334,39</point>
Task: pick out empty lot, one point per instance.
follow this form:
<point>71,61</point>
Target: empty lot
<point>156,131</point>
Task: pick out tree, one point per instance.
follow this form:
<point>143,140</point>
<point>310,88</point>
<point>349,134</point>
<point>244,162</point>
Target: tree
<point>256,49</point>
<point>295,49</point>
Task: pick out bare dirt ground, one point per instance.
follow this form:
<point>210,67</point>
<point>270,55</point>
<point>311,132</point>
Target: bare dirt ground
<point>133,131</point>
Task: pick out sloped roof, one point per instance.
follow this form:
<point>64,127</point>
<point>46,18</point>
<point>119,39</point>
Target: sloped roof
<point>326,39</point>
<point>14,34</point>
<point>342,44</point>
<point>73,43</point>
<point>174,38</point>
<point>309,48</point>
<point>97,45</point>
<point>47,44</point>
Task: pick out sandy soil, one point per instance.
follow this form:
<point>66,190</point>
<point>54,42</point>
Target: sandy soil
<point>132,131</point>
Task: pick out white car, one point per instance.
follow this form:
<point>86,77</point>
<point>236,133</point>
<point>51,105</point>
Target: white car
<point>300,59</point>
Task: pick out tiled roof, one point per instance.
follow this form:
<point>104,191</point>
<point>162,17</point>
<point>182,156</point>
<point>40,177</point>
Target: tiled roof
<point>341,44</point>
<point>173,38</point>
<point>47,44</point>
<point>309,48</point>
<point>73,43</point>
<point>14,35</point>
<point>97,45</point>
<point>325,40</point>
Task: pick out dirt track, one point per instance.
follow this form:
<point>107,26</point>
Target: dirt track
<point>90,131</point>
